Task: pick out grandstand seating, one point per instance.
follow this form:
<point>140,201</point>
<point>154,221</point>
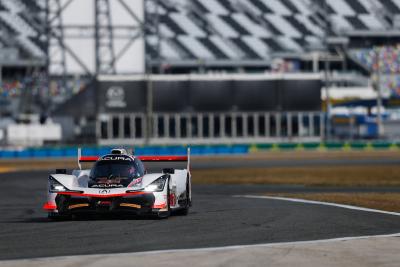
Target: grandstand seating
<point>14,19</point>
<point>230,29</point>
<point>389,58</point>
<point>253,29</point>
<point>388,63</point>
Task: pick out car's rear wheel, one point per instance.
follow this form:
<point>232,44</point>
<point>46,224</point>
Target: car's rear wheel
<point>185,210</point>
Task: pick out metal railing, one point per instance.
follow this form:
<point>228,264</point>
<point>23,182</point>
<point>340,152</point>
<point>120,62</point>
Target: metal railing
<point>210,128</point>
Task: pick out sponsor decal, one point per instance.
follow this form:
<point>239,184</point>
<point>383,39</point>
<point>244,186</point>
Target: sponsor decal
<point>119,157</point>
<point>109,181</point>
<point>104,191</point>
<point>115,97</point>
<point>107,186</point>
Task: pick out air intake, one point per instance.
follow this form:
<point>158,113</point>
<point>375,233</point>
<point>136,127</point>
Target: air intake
<point>118,151</point>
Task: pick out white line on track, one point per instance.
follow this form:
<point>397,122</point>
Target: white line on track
<point>321,203</point>
<point>266,244</point>
<point>208,249</point>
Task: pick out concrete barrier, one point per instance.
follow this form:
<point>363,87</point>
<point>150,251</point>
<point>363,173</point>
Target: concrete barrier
<point>198,150</point>
<point>328,146</point>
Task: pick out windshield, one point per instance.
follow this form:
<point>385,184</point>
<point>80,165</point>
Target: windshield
<point>105,169</point>
<point>114,173</point>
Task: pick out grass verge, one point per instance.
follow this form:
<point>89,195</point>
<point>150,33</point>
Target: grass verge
<point>346,176</point>
<point>6,169</point>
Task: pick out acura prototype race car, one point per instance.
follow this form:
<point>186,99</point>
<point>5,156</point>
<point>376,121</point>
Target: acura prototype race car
<point>120,183</point>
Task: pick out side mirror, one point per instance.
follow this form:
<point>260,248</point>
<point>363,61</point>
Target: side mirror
<point>61,171</point>
<point>168,171</point>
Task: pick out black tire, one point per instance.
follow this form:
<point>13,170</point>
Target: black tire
<point>185,210</point>
<point>57,217</point>
<point>52,215</point>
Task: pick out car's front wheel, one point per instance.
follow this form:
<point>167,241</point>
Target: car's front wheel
<point>54,216</point>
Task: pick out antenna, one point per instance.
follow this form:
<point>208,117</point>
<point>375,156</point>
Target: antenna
<point>188,159</point>
<point>79,157</point>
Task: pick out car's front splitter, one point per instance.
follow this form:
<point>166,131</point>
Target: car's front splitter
<point>137,203</point>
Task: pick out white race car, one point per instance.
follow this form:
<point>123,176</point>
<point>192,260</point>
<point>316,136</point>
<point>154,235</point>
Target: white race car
<point>119,183</point>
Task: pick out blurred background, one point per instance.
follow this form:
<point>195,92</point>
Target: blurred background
<point>287,73</point>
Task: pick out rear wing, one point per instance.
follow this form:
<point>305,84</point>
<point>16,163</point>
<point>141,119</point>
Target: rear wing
<point>186,158</point>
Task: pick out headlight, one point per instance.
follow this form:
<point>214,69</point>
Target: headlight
<point>157,185</point>
<point>56,186</point>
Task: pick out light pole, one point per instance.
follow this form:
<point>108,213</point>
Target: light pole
<point>149,71</point>
<point>149,107</point>
<point>326,73</point>
<point>379,94</point>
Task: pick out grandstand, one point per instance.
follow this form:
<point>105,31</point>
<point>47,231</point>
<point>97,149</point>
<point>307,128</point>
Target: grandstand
<point>386,59</point>
<point>21,29</point>
<point>45,60</point>
<point>22,55</point>
<point>227,35</point>
<point>251,33</point>
<point>216,33</point>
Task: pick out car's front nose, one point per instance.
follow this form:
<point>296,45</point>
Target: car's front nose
<point>140,202</point>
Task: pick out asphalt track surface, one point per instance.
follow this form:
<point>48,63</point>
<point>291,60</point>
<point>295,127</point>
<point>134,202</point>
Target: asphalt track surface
<point>216,219</point>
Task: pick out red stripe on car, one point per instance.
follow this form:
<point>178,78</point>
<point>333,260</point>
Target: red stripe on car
<point>88,159</point>
<point>103,195</point>
<point>163,158</point>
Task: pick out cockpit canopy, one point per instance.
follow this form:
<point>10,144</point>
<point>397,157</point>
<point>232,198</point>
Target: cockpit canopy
<point>115,171</point>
